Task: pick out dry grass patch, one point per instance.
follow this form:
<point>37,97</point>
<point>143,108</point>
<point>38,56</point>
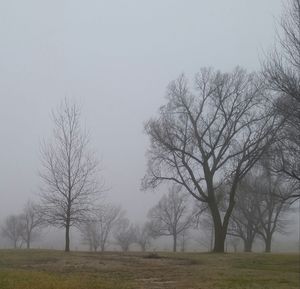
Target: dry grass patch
<point>44,269</point>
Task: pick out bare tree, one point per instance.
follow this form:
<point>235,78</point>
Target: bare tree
<point>90,235</point>
<point>210,137</point>
<point>244,219</point>
<point>183,240</point>
<point>97,230</point>
<point>124,234</point>
<point>31,222</point>
<point>69,174</point>
<point>12,230</point>
<point>270,206</point>
<point>143,236</point>
<point>171,216</point>
<point>282,73</point>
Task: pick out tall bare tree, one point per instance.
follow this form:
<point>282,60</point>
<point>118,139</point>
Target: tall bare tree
<point>69,172</point>
<point>282,73</point>
<point>12,230</point>
<point>210,137</point>
<point>172,216</point>
<point>31,221</point>
<point>97,230</point>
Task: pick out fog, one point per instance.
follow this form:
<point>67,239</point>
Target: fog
<point>115,58</point>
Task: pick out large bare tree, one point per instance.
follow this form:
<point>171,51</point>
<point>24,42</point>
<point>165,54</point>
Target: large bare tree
<point>172,216</point>
<point>69,172</point>
<point>210,136</point>
<point>282,73</point>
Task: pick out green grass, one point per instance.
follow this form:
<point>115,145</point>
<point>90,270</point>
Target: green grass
<point>43,269</point>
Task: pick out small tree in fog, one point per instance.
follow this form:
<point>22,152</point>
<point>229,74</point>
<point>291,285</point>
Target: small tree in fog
<point>142,236</point>
<point>69,174</point>
<point>244,221</point>
<point>271,206</point>
<point>31,221</point>
<point>234,242</point>
<point>97,230</point>
<point>12,230</point>
<point>124,234</point>
<point>171,216</point>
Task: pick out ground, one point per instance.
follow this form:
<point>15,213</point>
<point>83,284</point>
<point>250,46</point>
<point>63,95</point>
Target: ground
<point>43,269</point>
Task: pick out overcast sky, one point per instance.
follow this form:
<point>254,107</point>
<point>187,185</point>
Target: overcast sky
<point>116,59</point>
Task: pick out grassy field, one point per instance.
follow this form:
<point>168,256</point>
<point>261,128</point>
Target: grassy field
<point>36,269</point>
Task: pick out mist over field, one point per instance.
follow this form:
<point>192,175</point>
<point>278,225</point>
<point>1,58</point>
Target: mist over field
<point>115,60</point>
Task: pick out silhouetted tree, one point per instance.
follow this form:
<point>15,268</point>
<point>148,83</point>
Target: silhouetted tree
<point>12,230</point>
<point>31,220</point>
<point>210,137</point>
<point>69,174</point>
<point>171,216</point>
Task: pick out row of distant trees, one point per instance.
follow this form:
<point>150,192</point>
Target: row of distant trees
<point>259,212</point>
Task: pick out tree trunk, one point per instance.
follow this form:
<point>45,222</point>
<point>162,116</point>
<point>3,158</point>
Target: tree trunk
<point>174,243</point>
<point>219,230</point>
<point>247,246</point>
<point>268,242</point>
<point>219,246</point>
<point>67,245</point>
<point>28,241</point>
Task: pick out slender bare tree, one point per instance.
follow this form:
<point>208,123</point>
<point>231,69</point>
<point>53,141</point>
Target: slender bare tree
<point>282,73</point>
<point>31,221</point>
<point>12,230</point>
<point>171,216</point>
<point>210,137</point>
<point>97,230</point>
<point>69,172</point>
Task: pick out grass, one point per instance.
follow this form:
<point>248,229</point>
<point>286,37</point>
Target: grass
<point>43,269</point>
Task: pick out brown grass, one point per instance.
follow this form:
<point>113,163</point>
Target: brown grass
<point>36,269</point>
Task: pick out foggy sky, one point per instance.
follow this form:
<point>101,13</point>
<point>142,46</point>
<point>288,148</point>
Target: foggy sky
<point>115,58</point>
